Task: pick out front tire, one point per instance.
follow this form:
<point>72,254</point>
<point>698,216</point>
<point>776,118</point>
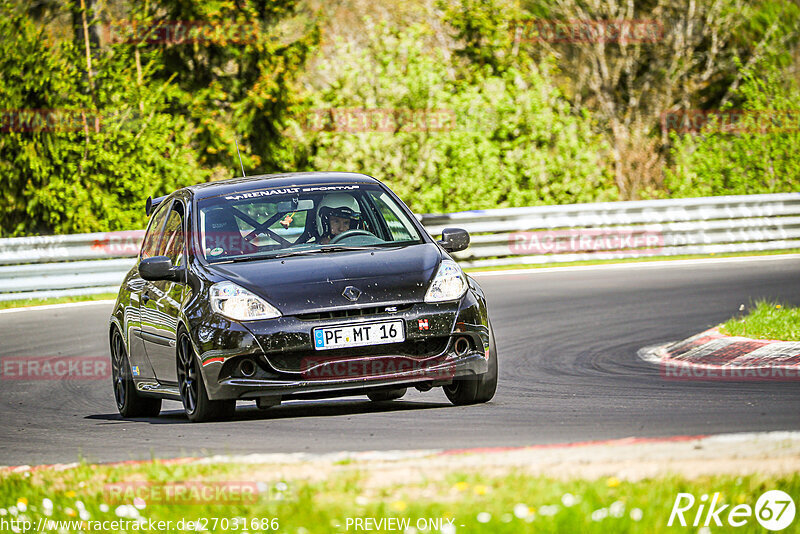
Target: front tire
<point>196,404</point>
<point>476,389</point>
<point>129,402</point>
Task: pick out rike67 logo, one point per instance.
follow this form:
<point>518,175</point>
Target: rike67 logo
<point>774,510</point>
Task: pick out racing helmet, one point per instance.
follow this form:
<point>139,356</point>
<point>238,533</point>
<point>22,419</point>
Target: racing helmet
<point>337,205</point>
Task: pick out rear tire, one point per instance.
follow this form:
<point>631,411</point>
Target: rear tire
<point>196,404</point>
<point>386,395</point>
<point>476,389</point>
<point>129,402</point>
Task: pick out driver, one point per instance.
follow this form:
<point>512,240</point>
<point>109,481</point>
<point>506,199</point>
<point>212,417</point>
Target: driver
<point>337,214</point>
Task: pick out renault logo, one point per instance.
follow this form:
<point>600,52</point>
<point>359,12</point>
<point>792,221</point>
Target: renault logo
<point>351,293</point>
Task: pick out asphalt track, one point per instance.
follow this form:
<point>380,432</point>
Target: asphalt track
<point>567,342</point>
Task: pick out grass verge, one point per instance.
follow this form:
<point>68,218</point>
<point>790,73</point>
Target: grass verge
<point>767,320</point>
<point>509,503</point>
<point>633,260</point>
<point>22,303</point>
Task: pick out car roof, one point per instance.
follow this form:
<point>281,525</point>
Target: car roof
<point>268,181</point>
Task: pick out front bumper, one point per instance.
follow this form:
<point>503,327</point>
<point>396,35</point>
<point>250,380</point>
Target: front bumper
<point>472,364</point>
<point>281,346</point>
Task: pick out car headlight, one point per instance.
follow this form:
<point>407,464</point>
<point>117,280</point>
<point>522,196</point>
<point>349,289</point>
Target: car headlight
<point>239,304</point>
<point>450,283</point>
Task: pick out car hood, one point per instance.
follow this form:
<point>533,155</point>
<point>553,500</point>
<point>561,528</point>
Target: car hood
<point>316,282</point>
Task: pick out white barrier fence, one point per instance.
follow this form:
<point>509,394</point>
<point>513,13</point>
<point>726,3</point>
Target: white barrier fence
<point>49,266</point>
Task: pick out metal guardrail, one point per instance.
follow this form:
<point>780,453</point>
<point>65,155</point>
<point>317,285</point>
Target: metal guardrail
<point>51,266</point>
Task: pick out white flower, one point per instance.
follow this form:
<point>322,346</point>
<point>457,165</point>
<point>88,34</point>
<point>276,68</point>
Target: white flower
<point>410,530</point>
<point>104,508</point>
<point>361,500</point>
<point>599,515</point>
<point>568,500</point>
<point>281,486</point>
<point>83,514</point>
<point>636,514</point>
<point>12,510</point>
<point>617,509</point>
<point>47,506</point>
<point>506,518</point>
<point>139,503</point>
<point>521,510</point>
<point>262,487</point>
<point>484,517</point>
<point>448,528</point>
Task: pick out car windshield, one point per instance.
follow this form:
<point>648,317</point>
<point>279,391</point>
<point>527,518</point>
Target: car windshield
<point>280,222</point>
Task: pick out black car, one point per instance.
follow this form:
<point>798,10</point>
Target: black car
<point>295,286</point>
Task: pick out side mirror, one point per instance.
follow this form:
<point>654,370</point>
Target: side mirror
<point>454,239</point>
<point>160,268</point>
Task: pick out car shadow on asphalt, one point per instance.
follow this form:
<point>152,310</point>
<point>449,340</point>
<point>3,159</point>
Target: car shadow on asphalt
<point>290,410</point>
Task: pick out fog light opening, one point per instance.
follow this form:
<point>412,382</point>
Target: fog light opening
<point>461,346</point>
<point>247,368</point>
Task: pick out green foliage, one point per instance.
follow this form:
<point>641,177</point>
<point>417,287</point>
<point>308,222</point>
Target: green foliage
<point>113,145</point>
<point>746,160</point>
<point>476,119</point>
<point>506,140</point>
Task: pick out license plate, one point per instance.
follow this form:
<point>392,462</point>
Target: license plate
<point>358,335</point>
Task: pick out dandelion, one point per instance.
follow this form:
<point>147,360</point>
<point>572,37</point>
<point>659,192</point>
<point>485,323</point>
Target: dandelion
<point>617,509</point>
<point>778,307</point>
<point>3,511</point>
<point>568,500</point>
<point>480,489</point>
<point>636,514</point>
<point>484,517</point>
<point>79,505</point>
<point>104,508</point>
<point>612,482</point>
<point>12,510</point>
<point>22,504</point>
<point>70,494</point>
<point>70,512</point>
<point>521,510</point>
<point>461,486</point>
<point>599,515</point>
<point>399,506</point>
<point>83,514</point>
<point>47,506</point>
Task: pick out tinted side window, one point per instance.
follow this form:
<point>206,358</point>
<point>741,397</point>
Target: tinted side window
<point>171,245</point>
<point>150,243</point>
